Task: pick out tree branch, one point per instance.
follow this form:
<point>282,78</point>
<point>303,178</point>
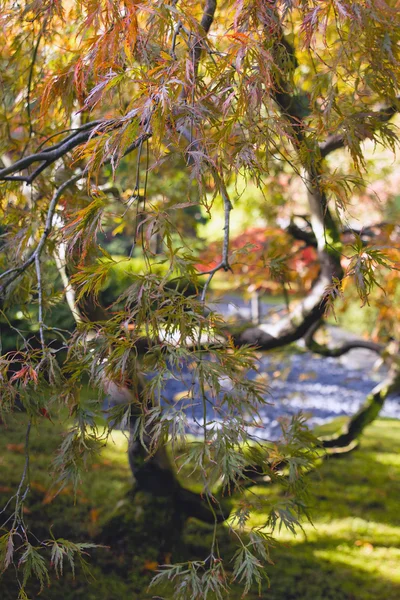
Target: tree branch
<point>14,272</point>
<point>368,412</point>
<point>325,350</point>
<point>302,235</point>
<point>338,140</point>
<point>50,155</point>
<point>311,309</point>
<point>325,238</point>
<point>224,264</point>
<point>205,24</point>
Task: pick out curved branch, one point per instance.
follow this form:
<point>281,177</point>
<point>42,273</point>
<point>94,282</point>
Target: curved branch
<point>311,309</point>
<point>338,140</point>
<point>368,412</point>
<point>326,237</point>
<point>291,327</point>
<point>50,155</point>
<point>302,234</point>
<point>325,350</point>
<point>340,443</point>
<point>15,272</point>
<point>344,348</point>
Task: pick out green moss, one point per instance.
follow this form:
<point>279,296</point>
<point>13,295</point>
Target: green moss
<point>350,552</point>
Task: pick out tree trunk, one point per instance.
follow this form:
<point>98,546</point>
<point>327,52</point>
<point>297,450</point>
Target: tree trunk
<point>147,525</point>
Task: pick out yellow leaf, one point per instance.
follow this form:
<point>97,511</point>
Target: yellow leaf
<point>182,395</point>
<point>119,229</point>
<point>165,55</point>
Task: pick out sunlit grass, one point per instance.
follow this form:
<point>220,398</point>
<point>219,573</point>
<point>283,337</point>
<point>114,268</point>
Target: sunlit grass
<point>352,548</point>
<point>351,551</point>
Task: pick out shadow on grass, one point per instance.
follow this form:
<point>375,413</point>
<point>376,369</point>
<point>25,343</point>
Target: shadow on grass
<point>352,553</point>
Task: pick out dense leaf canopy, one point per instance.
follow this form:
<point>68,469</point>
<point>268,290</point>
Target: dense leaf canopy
<point>123,125</point>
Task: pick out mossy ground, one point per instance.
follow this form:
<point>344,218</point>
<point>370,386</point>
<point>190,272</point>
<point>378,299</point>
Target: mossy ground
<point>352,551</point>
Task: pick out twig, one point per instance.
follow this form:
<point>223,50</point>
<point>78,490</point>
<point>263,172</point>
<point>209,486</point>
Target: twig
<point>177,30</point>
<point>20,497</point>
<point>40,299</point>
<point>224,264</point>
<point>28,94</point>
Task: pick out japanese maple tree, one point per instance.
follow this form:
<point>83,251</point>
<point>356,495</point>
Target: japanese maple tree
<point>95,93</point>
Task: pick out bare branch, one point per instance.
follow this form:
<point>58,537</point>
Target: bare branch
<point>325,350</point>
<point>70,296</point>
<point>302,234</point>
<point>14,272</point>
<point>21,494</point>
<point>332,143</point>
<point>47,157</point>
<point>224,264</point>
<point>40,299</point>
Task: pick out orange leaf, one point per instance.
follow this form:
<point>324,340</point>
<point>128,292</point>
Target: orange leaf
<point>94,515</point>
<point>4,489</point>
<point>45,413</point>
<point>39,487</point>
<point>18,448</point>
<point>150,565</point>
<point>21,373</point>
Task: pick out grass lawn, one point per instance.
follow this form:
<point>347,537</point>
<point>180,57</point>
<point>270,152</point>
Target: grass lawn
<point>352,551</point>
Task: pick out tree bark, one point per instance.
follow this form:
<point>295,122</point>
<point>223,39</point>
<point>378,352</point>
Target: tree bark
<point>347,437</point>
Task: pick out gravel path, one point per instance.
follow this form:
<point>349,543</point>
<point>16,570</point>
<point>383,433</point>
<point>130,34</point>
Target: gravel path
<point>321,388</point>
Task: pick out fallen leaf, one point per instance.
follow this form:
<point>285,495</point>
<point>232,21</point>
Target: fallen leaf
<point>309,375</point>
<point>39,487</point>
<point>19,448</point>
<point>367,547</point>
<point>150,565</point>
<point>94,515</point>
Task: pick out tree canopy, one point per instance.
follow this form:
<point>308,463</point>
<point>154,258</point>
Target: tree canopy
<point>123,125</point>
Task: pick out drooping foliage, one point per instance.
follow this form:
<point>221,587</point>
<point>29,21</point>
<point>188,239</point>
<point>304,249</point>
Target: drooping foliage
<point>122,126</point>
